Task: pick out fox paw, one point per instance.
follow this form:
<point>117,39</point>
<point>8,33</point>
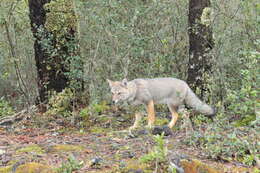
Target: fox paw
<point>132,128</point>
<point>158,130</point>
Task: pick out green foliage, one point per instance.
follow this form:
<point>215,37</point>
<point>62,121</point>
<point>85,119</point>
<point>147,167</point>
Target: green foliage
<point>159,152</point>
<point>200,120</point>
<point>84,113</point>
<point>99,108</point>
<point>62,23</point>
<point>244,102</point>
<point>61,103</point>
<point>61,17</point>
<point>157,158</point>
<point>94,109</point>
<point>5,108</point>
<point>124,38</point>
<point>91,116</point>
<point>70,165</point>
<point>222,140</point>
<point>17,70</point>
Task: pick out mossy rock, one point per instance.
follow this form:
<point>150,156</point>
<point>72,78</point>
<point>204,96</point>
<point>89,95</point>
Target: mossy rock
<point>195,166</point>
<point>66,148</point>
<point>34,167</point>
<point>31,148</point>
<point>6,169</point>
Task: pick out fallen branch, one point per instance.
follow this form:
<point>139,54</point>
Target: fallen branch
<point>9,120</point>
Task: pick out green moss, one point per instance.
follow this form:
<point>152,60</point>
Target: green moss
<point>207,16</point>
<point>64,147</point>
<point>245,121</point>
<point>31,148</point>
<point>131,165</point>
<point>196,166</point>
<point>96,129</point>
<point>6,169</point>
<point>60,18</point>
<point>33,167</point>
<point>161,121</point>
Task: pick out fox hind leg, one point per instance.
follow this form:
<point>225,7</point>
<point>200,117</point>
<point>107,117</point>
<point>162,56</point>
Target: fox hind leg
<point>174,115</point>
<point>151,113</point>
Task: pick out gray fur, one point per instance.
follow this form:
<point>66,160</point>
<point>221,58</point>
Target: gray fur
<point>170,91</point>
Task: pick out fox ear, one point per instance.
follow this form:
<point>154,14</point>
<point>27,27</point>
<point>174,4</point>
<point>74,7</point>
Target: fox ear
<point>124,82</point>
<point>110,82</point>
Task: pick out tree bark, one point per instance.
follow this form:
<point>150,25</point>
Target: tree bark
<point>200,44</point>
<point>48,77</point>
<point>54,50</point>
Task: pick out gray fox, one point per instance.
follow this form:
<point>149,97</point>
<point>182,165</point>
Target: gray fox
<point>171,91</point>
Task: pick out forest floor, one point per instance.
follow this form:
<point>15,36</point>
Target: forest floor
<point>48,144</point>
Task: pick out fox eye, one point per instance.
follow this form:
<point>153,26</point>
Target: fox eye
<point>119,93</point>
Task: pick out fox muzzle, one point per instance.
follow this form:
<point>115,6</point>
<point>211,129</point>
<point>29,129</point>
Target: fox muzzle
<point>114,101</point>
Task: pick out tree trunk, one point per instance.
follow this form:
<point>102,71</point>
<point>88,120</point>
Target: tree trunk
<point>200,44</point>
<point>55,46</point>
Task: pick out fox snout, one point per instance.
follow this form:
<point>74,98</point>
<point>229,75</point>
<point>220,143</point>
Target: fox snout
<point>114,101</point>
<point>116,98</point>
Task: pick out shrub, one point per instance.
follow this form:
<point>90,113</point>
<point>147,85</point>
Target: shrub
<point>223,141</point>
<point>158,156</point>
<point>61,103</point>
<point>244,101</point>
<point>70,165</point>
<point>5,108</point>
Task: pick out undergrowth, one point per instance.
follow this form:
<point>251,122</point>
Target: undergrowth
<point>234,135</point>
<point>157,157</point>
<point>222,141</point>
<point>244,102</point>
<point>5,108</point>
<point>61,103</point>
<point>70,165</point>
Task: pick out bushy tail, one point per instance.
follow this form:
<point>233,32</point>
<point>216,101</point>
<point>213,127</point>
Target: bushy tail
<point>193,101</point>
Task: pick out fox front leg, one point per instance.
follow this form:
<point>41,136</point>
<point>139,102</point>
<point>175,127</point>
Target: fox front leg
<point>138,118</point>
<point>151,113</point>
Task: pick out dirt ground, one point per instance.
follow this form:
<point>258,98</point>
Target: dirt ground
<point>51,143</point>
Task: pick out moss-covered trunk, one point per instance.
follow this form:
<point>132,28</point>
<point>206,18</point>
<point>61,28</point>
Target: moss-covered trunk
<point>56,46</point>
<point>200,44</point>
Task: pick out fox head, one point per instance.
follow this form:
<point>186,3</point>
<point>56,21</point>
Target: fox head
<point>121,90</point>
